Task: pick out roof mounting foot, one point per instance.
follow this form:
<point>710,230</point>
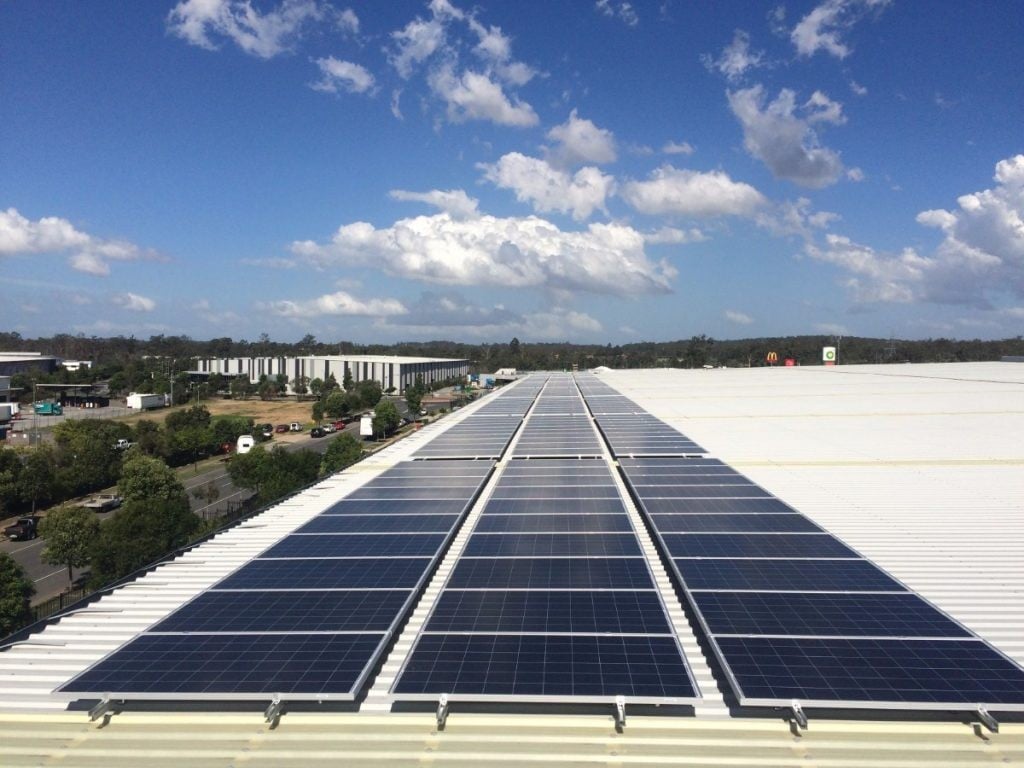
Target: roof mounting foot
<point>103,709</point>
<point>987,720</point>
<point>620,712</point>
<point>273,712</point>
<point>442,711</point>
<point>799,716</point>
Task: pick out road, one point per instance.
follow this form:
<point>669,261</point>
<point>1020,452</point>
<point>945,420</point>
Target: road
<point>51,580</point>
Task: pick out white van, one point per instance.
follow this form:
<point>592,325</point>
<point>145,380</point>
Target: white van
<point>245,444</point>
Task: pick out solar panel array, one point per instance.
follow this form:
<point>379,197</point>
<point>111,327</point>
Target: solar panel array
<point>559,424</point>
<point>310,616</point>
<point>551,599</point>
<point>628,428</point>
<point>795,614</point>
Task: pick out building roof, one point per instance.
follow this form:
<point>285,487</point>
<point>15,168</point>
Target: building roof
<point>919,467</point>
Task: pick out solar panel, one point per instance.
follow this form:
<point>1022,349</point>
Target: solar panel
<point>551,598</point>
<point>310,617</point>
<point>793,614</point>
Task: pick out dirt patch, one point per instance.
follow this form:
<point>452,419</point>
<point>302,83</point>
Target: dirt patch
<point>280,411</point>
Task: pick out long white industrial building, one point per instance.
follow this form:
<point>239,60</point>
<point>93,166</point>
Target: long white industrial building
<point>918,467</point>
<point>388,371</point>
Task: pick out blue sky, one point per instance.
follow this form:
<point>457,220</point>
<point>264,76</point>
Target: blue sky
<point>584,171</point>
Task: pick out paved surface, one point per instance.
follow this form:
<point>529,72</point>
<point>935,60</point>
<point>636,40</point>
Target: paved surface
<point>51,580</point>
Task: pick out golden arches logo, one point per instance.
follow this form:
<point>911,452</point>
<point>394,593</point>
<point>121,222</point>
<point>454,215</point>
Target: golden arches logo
<point>773,357</point>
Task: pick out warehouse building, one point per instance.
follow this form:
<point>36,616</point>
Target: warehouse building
<point>915,470</point>
<point>12,363</point>
<point>388,371</point>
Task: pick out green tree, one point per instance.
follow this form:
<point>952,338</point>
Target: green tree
<point>149,438</point>
<point>240,388</point>
<point>300,386</point>
<point>144,478</point>
<point>414,396</point>
<point>385,418</point>
<point>275,473</point>
<point>227,429</point>
<point>346,381</point>
<point>267,390</point>
<point>369,393</point>
<point>143,531</point>
<point>318,411</point>
<point>330,383</point>
<point>69,533</point>
<point>316,387</point>
<point>338,404</point>
<point>37,479</point>
<point>514,346</point>
<point>15,592</point>
<point>10,472</point>
<point>189,433</point>
<point>344,451</point>
<point>86,457</point>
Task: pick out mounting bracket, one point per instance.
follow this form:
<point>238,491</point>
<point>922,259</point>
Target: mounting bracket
<point>620,712</point>
<point>273,712</point>
<point>987,720</point>
<point>799,716</point>
<point>101,709</point>
<point>442,711</point>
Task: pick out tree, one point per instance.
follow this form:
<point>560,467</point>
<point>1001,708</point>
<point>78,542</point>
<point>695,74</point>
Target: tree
<point>149,439</point>
<point>267,390</point>
<point>143,531</point>
<point>69,533</point>
<point>316,387</point>
<point>240,388</point>
<point>86,457</point>
<point>346,381</point>
<point>300,386</point>
<point>146,479</point>
<point>369,393</point>
<point>318,411</point>
<point>414,396</point>
<point>514,346</point>
<point>344,451</point>
<point>36,481</point>
<point>385,418</point>
<point>330,383</point>
<point>273,474</point>
<point>15,592</point>
<point>189,432</point>
<point>338,404</point>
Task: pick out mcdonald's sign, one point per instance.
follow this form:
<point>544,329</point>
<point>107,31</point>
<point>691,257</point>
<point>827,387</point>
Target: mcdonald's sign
<point>772,358</point>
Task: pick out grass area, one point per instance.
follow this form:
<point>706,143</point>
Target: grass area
<point>278,411</point>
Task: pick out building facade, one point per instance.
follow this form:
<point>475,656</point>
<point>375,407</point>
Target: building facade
<point>390,372</point>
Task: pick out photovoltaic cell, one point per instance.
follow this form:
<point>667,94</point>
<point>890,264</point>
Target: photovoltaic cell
<point>356,573</point>
<point>783,545</point>
<point>786,575</point>
<point>696,523</point>
<point>357,545</point>
<point>553,523</point>
<point>551,573</point>
<point>552,545</point>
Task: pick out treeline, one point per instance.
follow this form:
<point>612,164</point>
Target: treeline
<point>145,361</point>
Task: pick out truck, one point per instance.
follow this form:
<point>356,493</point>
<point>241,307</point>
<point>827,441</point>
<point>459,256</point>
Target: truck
<point>24,528</point>
<point>245,444</point>
<point>9,411</point>
<point>102,502</point>
<point>366,425</point>
<point>143,402</point>
<point>47,409</point>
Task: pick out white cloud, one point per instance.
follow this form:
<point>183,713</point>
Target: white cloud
<point>822,28</point>
<point>796,217</point>
<point>832,329</point>
<point>692,193</point>
<point>735,59</point>
<point>579,141</point>
<point>858,89</point>
<point>674,236</point>
<point>453,201</point>
<point>396,107</point>
<point>785,142</point>
<point>50,234</point>
<point>495,48</point>
<point>559,324</point>
<point>346,75</point>
<point>623,10</point>
<point>739,318</point>
<point>414,43</point>
<point>134,302</point>
<point>261,34</point>
<point>475,96</point>
<point>506,252</point>
<point>680,148</point>
<point>348,21</point>
<point>207,311</point>
<point>855,174</point>
<point>338,303</point>
<point>549,189</point>
<point>272,263</point>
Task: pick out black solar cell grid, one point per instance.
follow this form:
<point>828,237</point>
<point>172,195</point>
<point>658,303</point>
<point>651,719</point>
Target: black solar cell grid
<point>786,575</point>
<point>553,523</point>
<point>782,545</point>
<point>380,524</point>
<point>551,545</point>
<point>551,573</point>
<point>357,545</point>
<point>357,573</point>
<point>746,523</point>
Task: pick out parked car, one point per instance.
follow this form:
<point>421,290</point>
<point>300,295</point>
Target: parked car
<point>102,502</point>
<point>328,428</point>
<point>245,443</point>
<point>317,432</point>
<point>25,528</point>
<point>339,425</point>
<point>281,428</point>
<point>267,430</point>
<point>295,427</point>
<point>123,445</point>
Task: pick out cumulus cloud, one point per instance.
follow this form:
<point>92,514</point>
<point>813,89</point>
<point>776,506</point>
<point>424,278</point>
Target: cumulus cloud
<point>134,302</point>
<point>855,174</point>
<point>823,27</point>
<point>579,141</point>
<point>453,201</point>
<point>674,236</point>
<point>264,35</point>
<point>475,96</point>
<point>736,59</point>
<point>624,11</point>
<point>50,234</point>
<point>678,148</point>
<point>414,43</point>
<point>507,252</point>
<point>344,75</point>
<point>786,142</point>
<point>692,193</point>
<point>740,318</point>
<point>795,217</point>
<point>348,22</point>
<point>548,188</point>
<point>338,303</point>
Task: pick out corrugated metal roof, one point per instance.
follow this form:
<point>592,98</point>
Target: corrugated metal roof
<point>919,467</point>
